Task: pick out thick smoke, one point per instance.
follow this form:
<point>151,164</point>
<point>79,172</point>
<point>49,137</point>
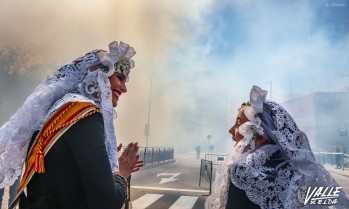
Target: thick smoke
<point>205,56</point>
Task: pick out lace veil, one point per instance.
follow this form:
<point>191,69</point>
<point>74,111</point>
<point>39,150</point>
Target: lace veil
<point>85,79</point>
<point>282,184</point>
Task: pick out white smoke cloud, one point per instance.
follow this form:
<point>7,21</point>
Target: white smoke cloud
<point>205,56</point>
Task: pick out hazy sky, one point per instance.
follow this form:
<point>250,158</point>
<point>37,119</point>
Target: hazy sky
<point>205,55</point>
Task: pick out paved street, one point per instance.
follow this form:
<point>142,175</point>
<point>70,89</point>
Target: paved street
<point>176,185</point>
<point>341,176</point>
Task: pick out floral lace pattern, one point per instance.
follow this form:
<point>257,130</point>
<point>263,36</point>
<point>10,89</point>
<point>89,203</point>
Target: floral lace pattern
<point>220,187</point>
<point>267,178</point>
<point>70,97</point>
<point>107,111</point>
<point>86,76</point>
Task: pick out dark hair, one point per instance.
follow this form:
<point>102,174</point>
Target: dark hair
<point>243,105</point>
<point>248,104</point>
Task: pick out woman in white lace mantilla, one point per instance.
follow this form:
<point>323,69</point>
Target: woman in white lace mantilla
<point>271,165</point>
<point>64,139</point>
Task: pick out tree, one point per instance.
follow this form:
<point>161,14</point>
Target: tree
<point>18,77</point>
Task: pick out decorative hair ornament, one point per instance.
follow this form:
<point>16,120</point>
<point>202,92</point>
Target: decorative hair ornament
<point>257,97</point>
<point>118,59</point>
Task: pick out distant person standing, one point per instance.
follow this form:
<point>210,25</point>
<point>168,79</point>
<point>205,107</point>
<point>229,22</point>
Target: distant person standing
<point>198,149</point>
<point>338,158</point>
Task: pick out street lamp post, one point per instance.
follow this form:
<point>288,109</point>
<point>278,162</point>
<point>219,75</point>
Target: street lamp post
<point>342,132</point>
<point>147,126</point>
<point>208,142</point>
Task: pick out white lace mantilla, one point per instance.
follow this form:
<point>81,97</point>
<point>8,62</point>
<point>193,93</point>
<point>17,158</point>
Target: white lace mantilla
<point>70,97</point>
<point>275,175</point>
<point>86,78</point>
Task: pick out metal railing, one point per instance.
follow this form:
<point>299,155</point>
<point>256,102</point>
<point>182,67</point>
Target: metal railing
<point>338,159</point>
<point>206,173</point>
<point>150,155</point>
<point>214,158</point>
<point>321,157</point>
<point>154,155</point>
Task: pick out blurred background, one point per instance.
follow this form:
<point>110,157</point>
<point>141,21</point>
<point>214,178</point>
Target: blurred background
<point>196,62</point>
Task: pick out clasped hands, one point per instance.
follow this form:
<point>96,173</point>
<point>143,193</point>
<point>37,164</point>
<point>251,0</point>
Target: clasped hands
<point>129,159</point>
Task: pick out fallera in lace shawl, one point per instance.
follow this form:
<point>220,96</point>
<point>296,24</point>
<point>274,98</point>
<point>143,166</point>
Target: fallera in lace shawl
<point>275,175</point>
<point>86,78</point>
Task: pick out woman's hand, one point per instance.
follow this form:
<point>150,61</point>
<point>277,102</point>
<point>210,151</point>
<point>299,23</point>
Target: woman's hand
<point>129,159</point>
